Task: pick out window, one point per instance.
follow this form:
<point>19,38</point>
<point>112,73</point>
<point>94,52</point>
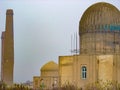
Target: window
<point>84,72</point>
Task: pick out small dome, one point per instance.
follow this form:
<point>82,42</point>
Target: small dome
<point>97,15</point>
<point>50,66</point>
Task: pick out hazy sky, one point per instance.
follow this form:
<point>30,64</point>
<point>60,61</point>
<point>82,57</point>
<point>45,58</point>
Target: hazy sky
<point>42,31</point>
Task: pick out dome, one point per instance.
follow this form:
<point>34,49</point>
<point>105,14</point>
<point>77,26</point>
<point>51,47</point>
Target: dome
<point>97,15</point>
<point>50,66</point>
<point>99,29</point>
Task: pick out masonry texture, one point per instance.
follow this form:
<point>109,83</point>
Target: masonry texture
<point>99,56</point>
<point>7,62</point>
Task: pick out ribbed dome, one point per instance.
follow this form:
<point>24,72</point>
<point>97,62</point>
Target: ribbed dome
<point>99,14</point>
<point>50,66</point>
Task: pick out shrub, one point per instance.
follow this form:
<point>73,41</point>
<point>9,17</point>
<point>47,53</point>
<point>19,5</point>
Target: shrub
<point>103,85</point>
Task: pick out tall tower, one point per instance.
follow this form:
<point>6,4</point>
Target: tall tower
<point>7,62</point>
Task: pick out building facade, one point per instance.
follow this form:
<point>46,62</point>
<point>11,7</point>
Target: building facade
<point>99,57</point>
<point>7,60</point>
<point>49,78</point>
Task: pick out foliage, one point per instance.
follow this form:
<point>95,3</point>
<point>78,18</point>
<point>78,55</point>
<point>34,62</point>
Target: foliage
<point>99,85</point>
<point>103,85</point>
<point>42,86</point>
<point>3,86</point>
<point>68,86</point>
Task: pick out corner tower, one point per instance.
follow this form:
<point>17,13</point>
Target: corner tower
<point>7,65</point>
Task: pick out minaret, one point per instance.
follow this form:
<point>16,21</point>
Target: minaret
<point>7,62</point>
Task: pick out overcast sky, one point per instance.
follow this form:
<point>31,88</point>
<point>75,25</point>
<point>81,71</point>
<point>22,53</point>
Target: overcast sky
<point>42,31</point>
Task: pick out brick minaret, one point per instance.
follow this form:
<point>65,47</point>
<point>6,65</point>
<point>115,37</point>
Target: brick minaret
<point>7,62</point>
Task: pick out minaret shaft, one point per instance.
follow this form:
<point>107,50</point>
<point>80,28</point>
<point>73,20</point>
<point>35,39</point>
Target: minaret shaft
<point>7,68</point>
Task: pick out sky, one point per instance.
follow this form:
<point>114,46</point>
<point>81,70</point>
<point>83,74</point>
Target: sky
<point>43,31</point>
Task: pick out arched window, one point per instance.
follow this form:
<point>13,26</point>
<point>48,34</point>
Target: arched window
<point>84,72</point>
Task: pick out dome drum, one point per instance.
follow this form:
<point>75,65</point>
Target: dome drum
<point>100,42</point>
